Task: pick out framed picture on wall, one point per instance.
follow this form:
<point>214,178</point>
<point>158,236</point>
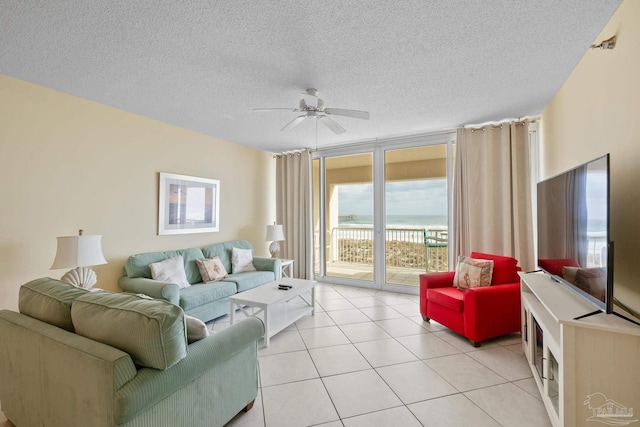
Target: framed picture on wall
<point>188,204</point>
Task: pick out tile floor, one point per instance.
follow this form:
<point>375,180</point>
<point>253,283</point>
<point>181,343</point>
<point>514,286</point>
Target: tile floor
<point>367,359</point>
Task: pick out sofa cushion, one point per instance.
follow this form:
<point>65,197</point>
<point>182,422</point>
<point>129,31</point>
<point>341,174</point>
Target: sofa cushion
<point>250,279</point>
<point>448,297</point>
<point>138,265</point>
<point>472,273</point>
<point>151,331</point>
<point>203,293</point>
<point>170,271</point>
<point>504,268</point>
<point>49,300</point>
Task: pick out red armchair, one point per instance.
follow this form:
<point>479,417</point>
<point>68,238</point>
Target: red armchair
<point>479,313</point>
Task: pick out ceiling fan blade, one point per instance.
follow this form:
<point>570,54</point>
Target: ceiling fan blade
<point>275,109</point>
<point>320,104</point>
<point>356,114</point>
<point>303,105</point>
<point>333,125</point>
<point>295,122</point>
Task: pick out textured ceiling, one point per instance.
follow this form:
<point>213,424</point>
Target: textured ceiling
<point>415,65</point>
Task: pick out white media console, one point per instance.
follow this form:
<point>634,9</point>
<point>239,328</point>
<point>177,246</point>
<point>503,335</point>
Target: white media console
<point>587,370</point>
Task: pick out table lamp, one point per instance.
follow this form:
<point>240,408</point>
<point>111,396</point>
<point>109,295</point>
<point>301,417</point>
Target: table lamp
<point>79,252</point>
<point>275,234</point>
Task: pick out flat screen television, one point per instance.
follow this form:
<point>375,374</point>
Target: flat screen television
<point>574,244</point>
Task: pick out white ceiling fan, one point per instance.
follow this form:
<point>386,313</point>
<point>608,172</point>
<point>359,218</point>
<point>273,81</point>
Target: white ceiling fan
<point>319,112</point>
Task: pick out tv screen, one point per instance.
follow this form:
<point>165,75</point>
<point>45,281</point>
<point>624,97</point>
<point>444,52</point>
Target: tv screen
<point>574,245</point>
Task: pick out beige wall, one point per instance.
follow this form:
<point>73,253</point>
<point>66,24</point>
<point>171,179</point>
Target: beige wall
<point>597,111</point>
<point>67,163</point>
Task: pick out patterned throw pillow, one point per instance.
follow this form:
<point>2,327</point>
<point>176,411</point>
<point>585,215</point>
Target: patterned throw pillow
<point>472,273</point>
<point>211,269</point>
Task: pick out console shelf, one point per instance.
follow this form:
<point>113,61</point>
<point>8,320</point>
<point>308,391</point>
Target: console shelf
<point>586,369</point>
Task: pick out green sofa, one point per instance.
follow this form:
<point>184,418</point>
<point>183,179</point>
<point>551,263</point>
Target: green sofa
<point>206,301</point>
<point>53,373</point>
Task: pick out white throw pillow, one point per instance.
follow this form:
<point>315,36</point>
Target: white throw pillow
<point>196,329</point>
<point>241,260</point>
<point>170,271</point>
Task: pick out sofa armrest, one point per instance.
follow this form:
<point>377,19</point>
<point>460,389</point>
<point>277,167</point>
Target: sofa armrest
<point>152,385</point>
<point>268,264</point>
<point>491,311</point>
<point>153,288</point>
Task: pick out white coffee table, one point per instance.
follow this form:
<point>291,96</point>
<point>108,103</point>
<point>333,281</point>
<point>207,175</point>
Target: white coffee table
<point>278,308</point>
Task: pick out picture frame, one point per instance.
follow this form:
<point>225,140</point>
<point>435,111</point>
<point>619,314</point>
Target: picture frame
<point>188,204</point>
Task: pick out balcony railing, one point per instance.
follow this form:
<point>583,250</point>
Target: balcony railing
<point>424,249</point>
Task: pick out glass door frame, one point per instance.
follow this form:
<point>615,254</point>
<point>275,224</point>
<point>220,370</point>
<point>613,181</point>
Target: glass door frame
<point>378,149</point>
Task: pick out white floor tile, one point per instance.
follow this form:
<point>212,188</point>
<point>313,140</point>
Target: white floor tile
<point>338,359</point>
<point>253,418</point>
<point>360,392</point>
<point>415,381</point>
<point>344,317</point>
<point>510,406</point>
<point>529,385</point>
<point>297,404</point>
<point>507,364</point>
<point>283,342</point>
<point>463,372</point>
<point>323,337</point>
<point>400,416</point>
<point>410,309</point>
<point>461,343</point>
<point>401,327</point>
<point>452,411</point>
<point>286,368</point>
<point>431,326</point>
<point>336,304</point>
<point>318,320</point>
<point>360,332</point>
<point>365,301</point>
<point>427,346</point>
<point>385,352</point>
<point>381,312</point>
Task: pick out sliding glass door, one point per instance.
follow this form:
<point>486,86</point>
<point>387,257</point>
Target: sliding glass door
<point>381,213</point>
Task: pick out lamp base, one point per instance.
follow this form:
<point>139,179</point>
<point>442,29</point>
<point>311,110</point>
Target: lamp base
<point>274,248</point>
<point>81,277</point>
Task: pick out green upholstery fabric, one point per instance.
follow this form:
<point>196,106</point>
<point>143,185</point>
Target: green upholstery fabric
<point>52,377</point>
<point>194,302</point>
<point>203,293</point>
<point>151,331</point>
<point>250,279</point>
<point>55,378</point>
<point>138,265</point>
<point>49,300</point>
<point>227,350</point>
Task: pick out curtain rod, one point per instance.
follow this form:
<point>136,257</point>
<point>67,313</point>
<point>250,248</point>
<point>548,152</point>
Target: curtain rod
<point>289,153</point>
<point>498,124</point>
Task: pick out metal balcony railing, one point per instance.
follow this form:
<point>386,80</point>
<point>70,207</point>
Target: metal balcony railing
<point>425,249</point>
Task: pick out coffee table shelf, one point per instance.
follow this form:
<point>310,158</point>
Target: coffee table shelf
<point>278,309</point>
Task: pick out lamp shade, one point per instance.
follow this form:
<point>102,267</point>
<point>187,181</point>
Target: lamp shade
<point>78,251</point>
<point>275,233</point>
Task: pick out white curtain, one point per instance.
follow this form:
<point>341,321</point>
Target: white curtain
<point>293,210</point>
<point>492,193</point>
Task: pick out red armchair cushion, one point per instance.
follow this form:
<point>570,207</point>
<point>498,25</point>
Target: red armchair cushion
<point>450,298</point>
<point>504,268</point>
